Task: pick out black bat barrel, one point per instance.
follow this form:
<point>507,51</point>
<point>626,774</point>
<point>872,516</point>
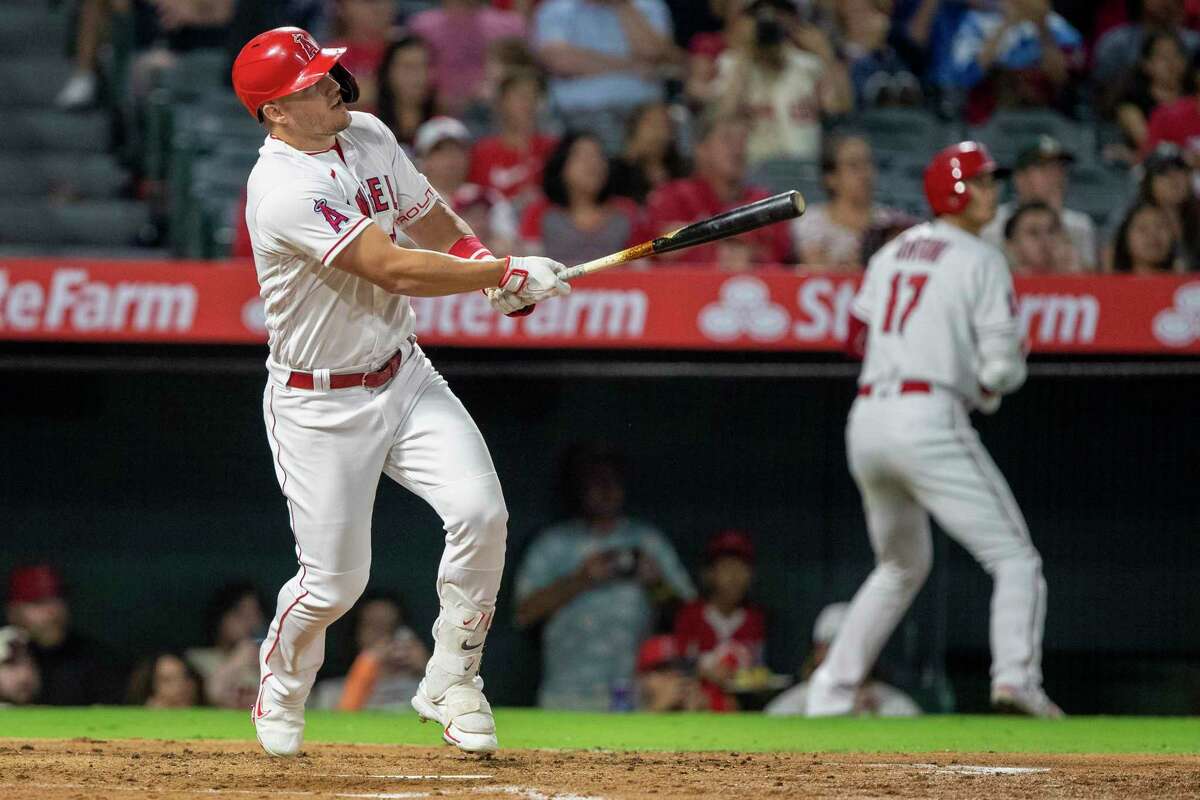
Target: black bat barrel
<point>735,221</point>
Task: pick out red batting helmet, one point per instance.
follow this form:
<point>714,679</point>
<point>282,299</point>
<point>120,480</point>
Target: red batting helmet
<point>947,175</point>
<point>286,60</point>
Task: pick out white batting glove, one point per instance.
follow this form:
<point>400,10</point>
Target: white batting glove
<point>534,278</point>
<point>505,302</point>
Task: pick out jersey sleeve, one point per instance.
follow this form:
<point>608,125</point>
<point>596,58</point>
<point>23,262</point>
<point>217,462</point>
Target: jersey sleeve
<point>309,217</point>
<point>995,309</point>
<point>414,196</point>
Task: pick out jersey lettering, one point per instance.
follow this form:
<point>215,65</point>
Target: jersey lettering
<point>916,283</point>
<point>361,200</point>
<point>335,218</point>
<point>377,200</point>
<point>922,249</point>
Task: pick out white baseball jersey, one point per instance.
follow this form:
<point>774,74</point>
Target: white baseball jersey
<point>930,296</point>
<point>302,209</point>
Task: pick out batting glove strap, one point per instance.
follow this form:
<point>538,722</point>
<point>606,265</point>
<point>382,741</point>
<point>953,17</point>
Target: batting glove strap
<point>514,278</point>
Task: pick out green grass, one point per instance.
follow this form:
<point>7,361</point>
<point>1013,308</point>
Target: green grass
<point>528,728</point>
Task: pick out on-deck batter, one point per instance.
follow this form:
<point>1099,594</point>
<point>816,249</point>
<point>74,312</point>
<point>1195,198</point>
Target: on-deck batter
<point>937,313</point>
<point>350,395</point>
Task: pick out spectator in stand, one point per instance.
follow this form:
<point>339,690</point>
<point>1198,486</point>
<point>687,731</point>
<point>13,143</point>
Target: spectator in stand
<point>165,680</point>
<point>19,678</point>
<point>923,29</point>
<point>875,698</point>
<point>460,33</point>
<point>578,219</point>
<point>236,625</point>
<point>605,59</point>
<point>1159,79</point>
<point>1041,174</point>
<point>1018,56</point>
<point>1119,49</point>
<point>879,74</point>
<point>406,97</point>
<point>443,154</point>
<point>1144,244</point>
<point>1035,242</point>
<point>1179,122</point>
<point>830,236</point>
<point>651,154</point>
<point>723,633</point>
<point>782,89</point>
<point>389,664</point>
<point>593,583</point>
<point>1167,183</point>
<point>476,205</point>
<point>511,161</point>
<point>717,184</point>
<point>75,670</point>
<point>365,28</point>
<point>666,680</point>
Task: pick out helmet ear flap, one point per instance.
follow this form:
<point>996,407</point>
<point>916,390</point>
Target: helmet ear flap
<point>345,79</point>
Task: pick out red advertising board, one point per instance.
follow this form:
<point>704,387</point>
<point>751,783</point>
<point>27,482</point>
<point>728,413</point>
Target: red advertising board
<point>667,308</point>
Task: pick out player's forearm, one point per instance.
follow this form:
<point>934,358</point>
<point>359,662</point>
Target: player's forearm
<point>425,273</point>
<point>545,602</point>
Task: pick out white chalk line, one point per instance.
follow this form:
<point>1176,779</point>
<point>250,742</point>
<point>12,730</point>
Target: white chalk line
<point>966,769</point>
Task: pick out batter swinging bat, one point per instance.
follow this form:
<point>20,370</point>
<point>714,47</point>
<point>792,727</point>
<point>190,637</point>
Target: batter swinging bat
<point>779,208</point>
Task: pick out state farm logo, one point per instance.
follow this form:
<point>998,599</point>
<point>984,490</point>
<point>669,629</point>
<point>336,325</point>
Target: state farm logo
<point>601,314</point>
<point>71,299</point>
<point>744,308</point>
<point>1179,326</point>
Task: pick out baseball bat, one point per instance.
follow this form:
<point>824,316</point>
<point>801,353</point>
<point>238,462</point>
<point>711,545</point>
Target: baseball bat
<point>735,221</point>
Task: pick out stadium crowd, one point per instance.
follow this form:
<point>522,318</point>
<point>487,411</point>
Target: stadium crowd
<point>574,127</point>
<point>621,621</point>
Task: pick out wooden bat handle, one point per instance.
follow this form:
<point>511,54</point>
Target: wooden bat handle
<point>595,265</point>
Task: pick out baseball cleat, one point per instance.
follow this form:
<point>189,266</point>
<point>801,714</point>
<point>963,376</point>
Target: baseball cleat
<point>826,700</point>
<point>464,714</point>
<point>280,730</point>
<point>1030,702</point>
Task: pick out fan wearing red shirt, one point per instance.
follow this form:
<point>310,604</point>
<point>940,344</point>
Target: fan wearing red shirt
<point>718,184</point>
<point>723,632</point>
<point>1178,122</point>
<point>511,162</point>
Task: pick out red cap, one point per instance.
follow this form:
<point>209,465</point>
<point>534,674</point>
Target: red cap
<point>947,175</point>
<point>279,62</point>
<point>657,651</point>
<point>31,584</point>
<point>730,542</point>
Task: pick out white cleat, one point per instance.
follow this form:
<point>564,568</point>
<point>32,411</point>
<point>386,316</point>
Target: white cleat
<point>826,700</point>
<point>1030,702</point>
<point>464,714</point>
<point>78,92</point>
<point>280,730</point>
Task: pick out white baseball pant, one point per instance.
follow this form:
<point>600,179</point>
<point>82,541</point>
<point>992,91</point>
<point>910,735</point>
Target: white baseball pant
<point>912,455</point>
<point>330,448</point>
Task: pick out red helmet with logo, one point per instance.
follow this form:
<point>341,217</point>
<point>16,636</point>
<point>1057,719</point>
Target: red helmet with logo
<point>286,60</point>
<point>947,175</point>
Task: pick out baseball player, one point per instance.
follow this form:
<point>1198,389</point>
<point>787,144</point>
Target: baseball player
<point>937,317</point>
<point>350,395</point>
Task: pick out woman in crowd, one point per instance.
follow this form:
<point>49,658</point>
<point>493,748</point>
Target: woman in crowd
<point>879,74</point>
<point>1145,245</point>
<point>651,155</point>
<point>830,236</point>
<point>364,28</point>
<point>228,668</point>
<point>165,680</point>
<point>1167,183</point>
<point>1160,78</point>
<point>784,77</point>
<point>406,97</point>
<point>389,662</point>
<point>511,161</point>
<point>578,219</point>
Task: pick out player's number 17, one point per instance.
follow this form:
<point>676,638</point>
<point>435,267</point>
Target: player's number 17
<point>915,283</point>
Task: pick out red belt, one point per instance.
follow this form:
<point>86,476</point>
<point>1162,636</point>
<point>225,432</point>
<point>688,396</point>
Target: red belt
<point>906,387</point>
<point>369,380</point>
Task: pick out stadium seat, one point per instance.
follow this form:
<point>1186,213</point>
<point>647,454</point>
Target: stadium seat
<point>784,174</point>
<point>116,223</point>
<point>1008,131</point>
<point>1096,190</point>
<point>50,129</point>
<point>907,134</point>
<point>74,175</point>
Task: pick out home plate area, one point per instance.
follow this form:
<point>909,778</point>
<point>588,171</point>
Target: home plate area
<point>86,768</point>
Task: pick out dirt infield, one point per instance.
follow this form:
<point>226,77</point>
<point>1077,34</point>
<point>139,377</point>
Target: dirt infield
<point>121,770</point>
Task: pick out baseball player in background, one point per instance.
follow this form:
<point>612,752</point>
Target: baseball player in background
<point>936,316</point>
<point>350,395</point>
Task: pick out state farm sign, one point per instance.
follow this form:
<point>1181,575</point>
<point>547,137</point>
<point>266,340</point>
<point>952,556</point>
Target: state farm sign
<point>662,308</point>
